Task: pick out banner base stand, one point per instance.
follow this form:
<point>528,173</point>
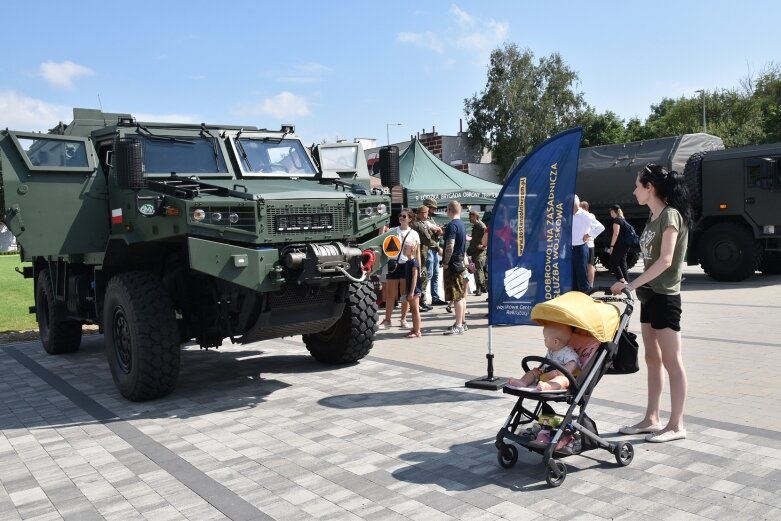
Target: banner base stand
<point>488,383</point>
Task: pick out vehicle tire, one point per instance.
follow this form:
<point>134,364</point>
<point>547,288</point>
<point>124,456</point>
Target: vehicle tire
<point>625,453</point>
<point>692,175</point>
<point>507,456</point>
<point>551,476</point>
<point>771,263</point>
<point>631,258</point>
<point>728,252</point>
<point>58,335</point>
<point>141,335</point>
<point>352,336</point>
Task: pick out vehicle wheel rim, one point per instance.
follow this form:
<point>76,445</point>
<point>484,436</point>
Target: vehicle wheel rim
<point>725,251</point>
<point>122,343</point>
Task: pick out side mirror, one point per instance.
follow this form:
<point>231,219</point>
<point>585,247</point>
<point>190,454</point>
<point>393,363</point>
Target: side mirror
<point>130,164</point>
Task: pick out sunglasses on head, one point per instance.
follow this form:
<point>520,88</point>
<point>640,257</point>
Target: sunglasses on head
<point>662,171</point>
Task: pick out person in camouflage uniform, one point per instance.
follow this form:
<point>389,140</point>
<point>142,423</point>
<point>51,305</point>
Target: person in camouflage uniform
<point>477,251</point>
<point>428,239</point>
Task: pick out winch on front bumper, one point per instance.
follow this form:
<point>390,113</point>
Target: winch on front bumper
<point>316,264</point>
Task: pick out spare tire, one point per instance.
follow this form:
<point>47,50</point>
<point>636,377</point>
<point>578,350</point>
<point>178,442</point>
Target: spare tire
<point>692,174</point>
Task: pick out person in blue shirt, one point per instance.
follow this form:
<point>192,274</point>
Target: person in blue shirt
<point>454,265</point>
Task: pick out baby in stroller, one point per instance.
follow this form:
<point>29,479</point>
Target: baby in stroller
<point>556,338</point>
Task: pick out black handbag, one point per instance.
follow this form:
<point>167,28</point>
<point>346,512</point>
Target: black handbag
<point>625,361</point>
<point>393,264</point>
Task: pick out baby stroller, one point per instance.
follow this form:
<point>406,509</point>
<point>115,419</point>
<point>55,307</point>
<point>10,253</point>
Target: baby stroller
<point>600,322</point>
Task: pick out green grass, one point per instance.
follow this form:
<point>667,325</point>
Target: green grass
<point>16,296</point>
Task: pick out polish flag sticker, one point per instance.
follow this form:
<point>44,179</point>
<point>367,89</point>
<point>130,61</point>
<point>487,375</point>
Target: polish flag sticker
<point>116,216</point>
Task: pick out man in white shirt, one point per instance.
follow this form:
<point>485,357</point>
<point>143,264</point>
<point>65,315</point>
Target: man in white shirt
<point>596,228</point>
<point>581,227</point>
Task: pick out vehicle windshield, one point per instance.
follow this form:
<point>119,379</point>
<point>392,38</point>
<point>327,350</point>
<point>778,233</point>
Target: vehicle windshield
<point>273,157</point>
<point>183,155</point>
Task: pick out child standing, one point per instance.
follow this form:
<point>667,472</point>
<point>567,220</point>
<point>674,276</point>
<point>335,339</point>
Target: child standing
<point>413,290</point>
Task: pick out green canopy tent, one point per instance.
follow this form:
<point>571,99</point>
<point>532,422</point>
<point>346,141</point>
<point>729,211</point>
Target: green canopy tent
<point>423,175</point>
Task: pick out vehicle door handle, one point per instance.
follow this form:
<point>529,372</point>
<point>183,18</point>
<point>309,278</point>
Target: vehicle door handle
<point>750,200</point>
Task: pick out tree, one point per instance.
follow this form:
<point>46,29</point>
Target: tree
<point>601,129</point>
<point>523,103</point>
<point>768,97</point>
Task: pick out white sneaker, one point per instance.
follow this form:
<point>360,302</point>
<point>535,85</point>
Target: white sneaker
<point>454,330</point>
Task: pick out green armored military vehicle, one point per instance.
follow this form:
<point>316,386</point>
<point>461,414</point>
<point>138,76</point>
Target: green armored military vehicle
<point>165,233</point>
<point>735,194</point>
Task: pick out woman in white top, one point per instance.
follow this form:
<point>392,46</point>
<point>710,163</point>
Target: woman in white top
<point>395,280</point>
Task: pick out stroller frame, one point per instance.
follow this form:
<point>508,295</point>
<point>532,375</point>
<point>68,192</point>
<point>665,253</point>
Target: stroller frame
<point>577,396</point>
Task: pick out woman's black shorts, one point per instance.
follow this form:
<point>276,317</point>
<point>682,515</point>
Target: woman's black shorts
<point>662,311</point>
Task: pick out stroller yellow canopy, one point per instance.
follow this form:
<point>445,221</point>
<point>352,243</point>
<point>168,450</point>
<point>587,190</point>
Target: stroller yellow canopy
<point>600,319</point>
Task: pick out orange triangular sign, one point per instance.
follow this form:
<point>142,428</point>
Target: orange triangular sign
<point>391,246</point>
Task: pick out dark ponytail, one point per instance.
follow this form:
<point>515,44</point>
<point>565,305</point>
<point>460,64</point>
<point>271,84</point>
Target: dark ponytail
<point>671,188</point>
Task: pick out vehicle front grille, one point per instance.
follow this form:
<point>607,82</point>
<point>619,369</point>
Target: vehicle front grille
<point>289,220</point>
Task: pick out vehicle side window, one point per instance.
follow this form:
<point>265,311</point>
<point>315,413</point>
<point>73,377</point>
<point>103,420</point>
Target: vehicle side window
<point>762,173</point>
<point>54,153</point>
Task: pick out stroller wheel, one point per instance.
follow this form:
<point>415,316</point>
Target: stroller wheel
<point>555,473</point>
<point>625,453</point>
<point>507,456</point>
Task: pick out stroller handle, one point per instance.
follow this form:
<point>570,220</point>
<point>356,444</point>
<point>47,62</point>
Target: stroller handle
<point>606,291</point>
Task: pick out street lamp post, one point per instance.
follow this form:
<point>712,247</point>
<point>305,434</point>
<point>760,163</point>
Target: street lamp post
<point>387,132</point>
<point>704,122</point>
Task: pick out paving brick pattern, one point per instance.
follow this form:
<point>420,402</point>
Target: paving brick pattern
<point>267,433</point>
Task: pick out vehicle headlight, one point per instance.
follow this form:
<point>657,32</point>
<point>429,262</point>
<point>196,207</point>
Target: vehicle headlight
<point>199,215</point>
<point>233,218</point>
<point>381,209</point>
<point>216,217</point>
<point>368,211</point>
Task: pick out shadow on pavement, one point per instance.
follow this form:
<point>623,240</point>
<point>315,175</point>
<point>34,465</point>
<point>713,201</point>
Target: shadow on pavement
<point>391,398</point>
<point>472,465</point>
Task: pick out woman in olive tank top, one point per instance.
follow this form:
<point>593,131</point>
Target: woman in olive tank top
<point>663,246</point>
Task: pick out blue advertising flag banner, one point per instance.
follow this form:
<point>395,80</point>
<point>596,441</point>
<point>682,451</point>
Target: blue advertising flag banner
<point>529,243</point>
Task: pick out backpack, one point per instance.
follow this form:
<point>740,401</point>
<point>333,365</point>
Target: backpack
<point>630,235</point>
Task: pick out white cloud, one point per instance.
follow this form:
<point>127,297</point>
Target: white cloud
<point>63,74</point>
<point>284,105</point>
<point>19,112</point>
<point>427,40</point>
<point>470,33</point>
<point>462,16</point>
<point>489,37</point>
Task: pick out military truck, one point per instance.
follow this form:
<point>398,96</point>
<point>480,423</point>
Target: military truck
<point>735,194</point>
<point>166,233</point>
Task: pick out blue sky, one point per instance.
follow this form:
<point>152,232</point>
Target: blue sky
<point>345,69</point>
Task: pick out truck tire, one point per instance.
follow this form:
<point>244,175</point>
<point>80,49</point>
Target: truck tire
<point>728,252</point>
<point>771,263</point>
<point>692,174</point>
<point>58,335</point>
<point>352,336</point>
<point>141,335</point>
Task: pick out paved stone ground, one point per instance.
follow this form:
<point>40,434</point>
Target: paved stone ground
<point>263,432</point>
